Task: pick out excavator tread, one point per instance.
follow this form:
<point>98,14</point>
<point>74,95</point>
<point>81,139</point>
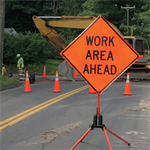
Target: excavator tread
<point>136,74</point>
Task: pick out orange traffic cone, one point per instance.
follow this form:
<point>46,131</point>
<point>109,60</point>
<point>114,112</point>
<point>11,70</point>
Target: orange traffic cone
<point>75,75</point>
<point>127,90</point>
<point>56,86</point>
<point>44,72</point>
<point>27,84</point>
<point>92,91</point>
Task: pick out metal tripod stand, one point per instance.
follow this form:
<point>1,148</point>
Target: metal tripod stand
<point>98,123</point>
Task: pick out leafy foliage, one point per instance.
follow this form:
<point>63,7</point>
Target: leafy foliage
<point>18,14</point>
<point>141,21</point>
<point>32,47</point>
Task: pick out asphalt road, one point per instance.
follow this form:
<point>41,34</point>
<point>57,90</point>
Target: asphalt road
<point>43,120</point>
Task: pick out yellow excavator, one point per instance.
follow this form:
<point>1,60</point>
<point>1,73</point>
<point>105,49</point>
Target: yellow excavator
<point>46,28</point>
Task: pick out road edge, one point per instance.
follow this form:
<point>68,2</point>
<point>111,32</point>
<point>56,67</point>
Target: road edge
<point>10,86</point>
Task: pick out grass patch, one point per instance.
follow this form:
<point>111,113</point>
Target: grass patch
<point>51,68</point>
<point>5,81</point>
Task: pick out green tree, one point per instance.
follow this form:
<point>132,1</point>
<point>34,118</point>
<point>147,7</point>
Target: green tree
<point>111,9</point>
<point>134,20</point>
<point>141,26</point>
<point>18,15</point>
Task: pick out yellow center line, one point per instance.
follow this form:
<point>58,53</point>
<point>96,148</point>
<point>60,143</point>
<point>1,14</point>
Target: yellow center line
<point>37,108</point>
<point>24,112</point>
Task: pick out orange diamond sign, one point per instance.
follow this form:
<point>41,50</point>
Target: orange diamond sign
<point>99,54</point>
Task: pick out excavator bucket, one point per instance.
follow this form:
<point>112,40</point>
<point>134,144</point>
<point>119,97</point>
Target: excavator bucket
<point>66,70</point>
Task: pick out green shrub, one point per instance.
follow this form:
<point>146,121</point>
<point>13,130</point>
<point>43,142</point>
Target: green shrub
<point>32,47</point>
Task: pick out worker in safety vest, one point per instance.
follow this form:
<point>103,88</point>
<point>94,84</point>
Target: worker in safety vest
<point>20,63</point>
<point>3,70</point>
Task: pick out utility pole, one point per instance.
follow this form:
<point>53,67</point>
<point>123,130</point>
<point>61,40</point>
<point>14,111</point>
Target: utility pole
<point>128,8</point>
<point>2,21</point>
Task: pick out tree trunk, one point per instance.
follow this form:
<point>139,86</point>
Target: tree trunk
<point>2,21</point>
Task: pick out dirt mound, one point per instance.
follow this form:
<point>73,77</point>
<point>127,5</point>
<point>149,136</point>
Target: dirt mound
<point>145,103</point>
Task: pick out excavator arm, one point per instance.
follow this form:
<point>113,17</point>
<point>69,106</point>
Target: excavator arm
<point>52,36</point>
<point>47,31</point>
<point>78,22</point>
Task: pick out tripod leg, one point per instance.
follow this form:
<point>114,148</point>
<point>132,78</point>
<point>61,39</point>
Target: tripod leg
<point>81,138</point>
<point>118,137</point>
<point>107,139</point>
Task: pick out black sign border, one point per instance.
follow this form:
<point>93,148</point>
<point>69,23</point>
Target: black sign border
<point>62,53</point>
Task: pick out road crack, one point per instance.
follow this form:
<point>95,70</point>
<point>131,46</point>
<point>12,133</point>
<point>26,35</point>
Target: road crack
<point>48,135</point>
<point>44,144</point>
